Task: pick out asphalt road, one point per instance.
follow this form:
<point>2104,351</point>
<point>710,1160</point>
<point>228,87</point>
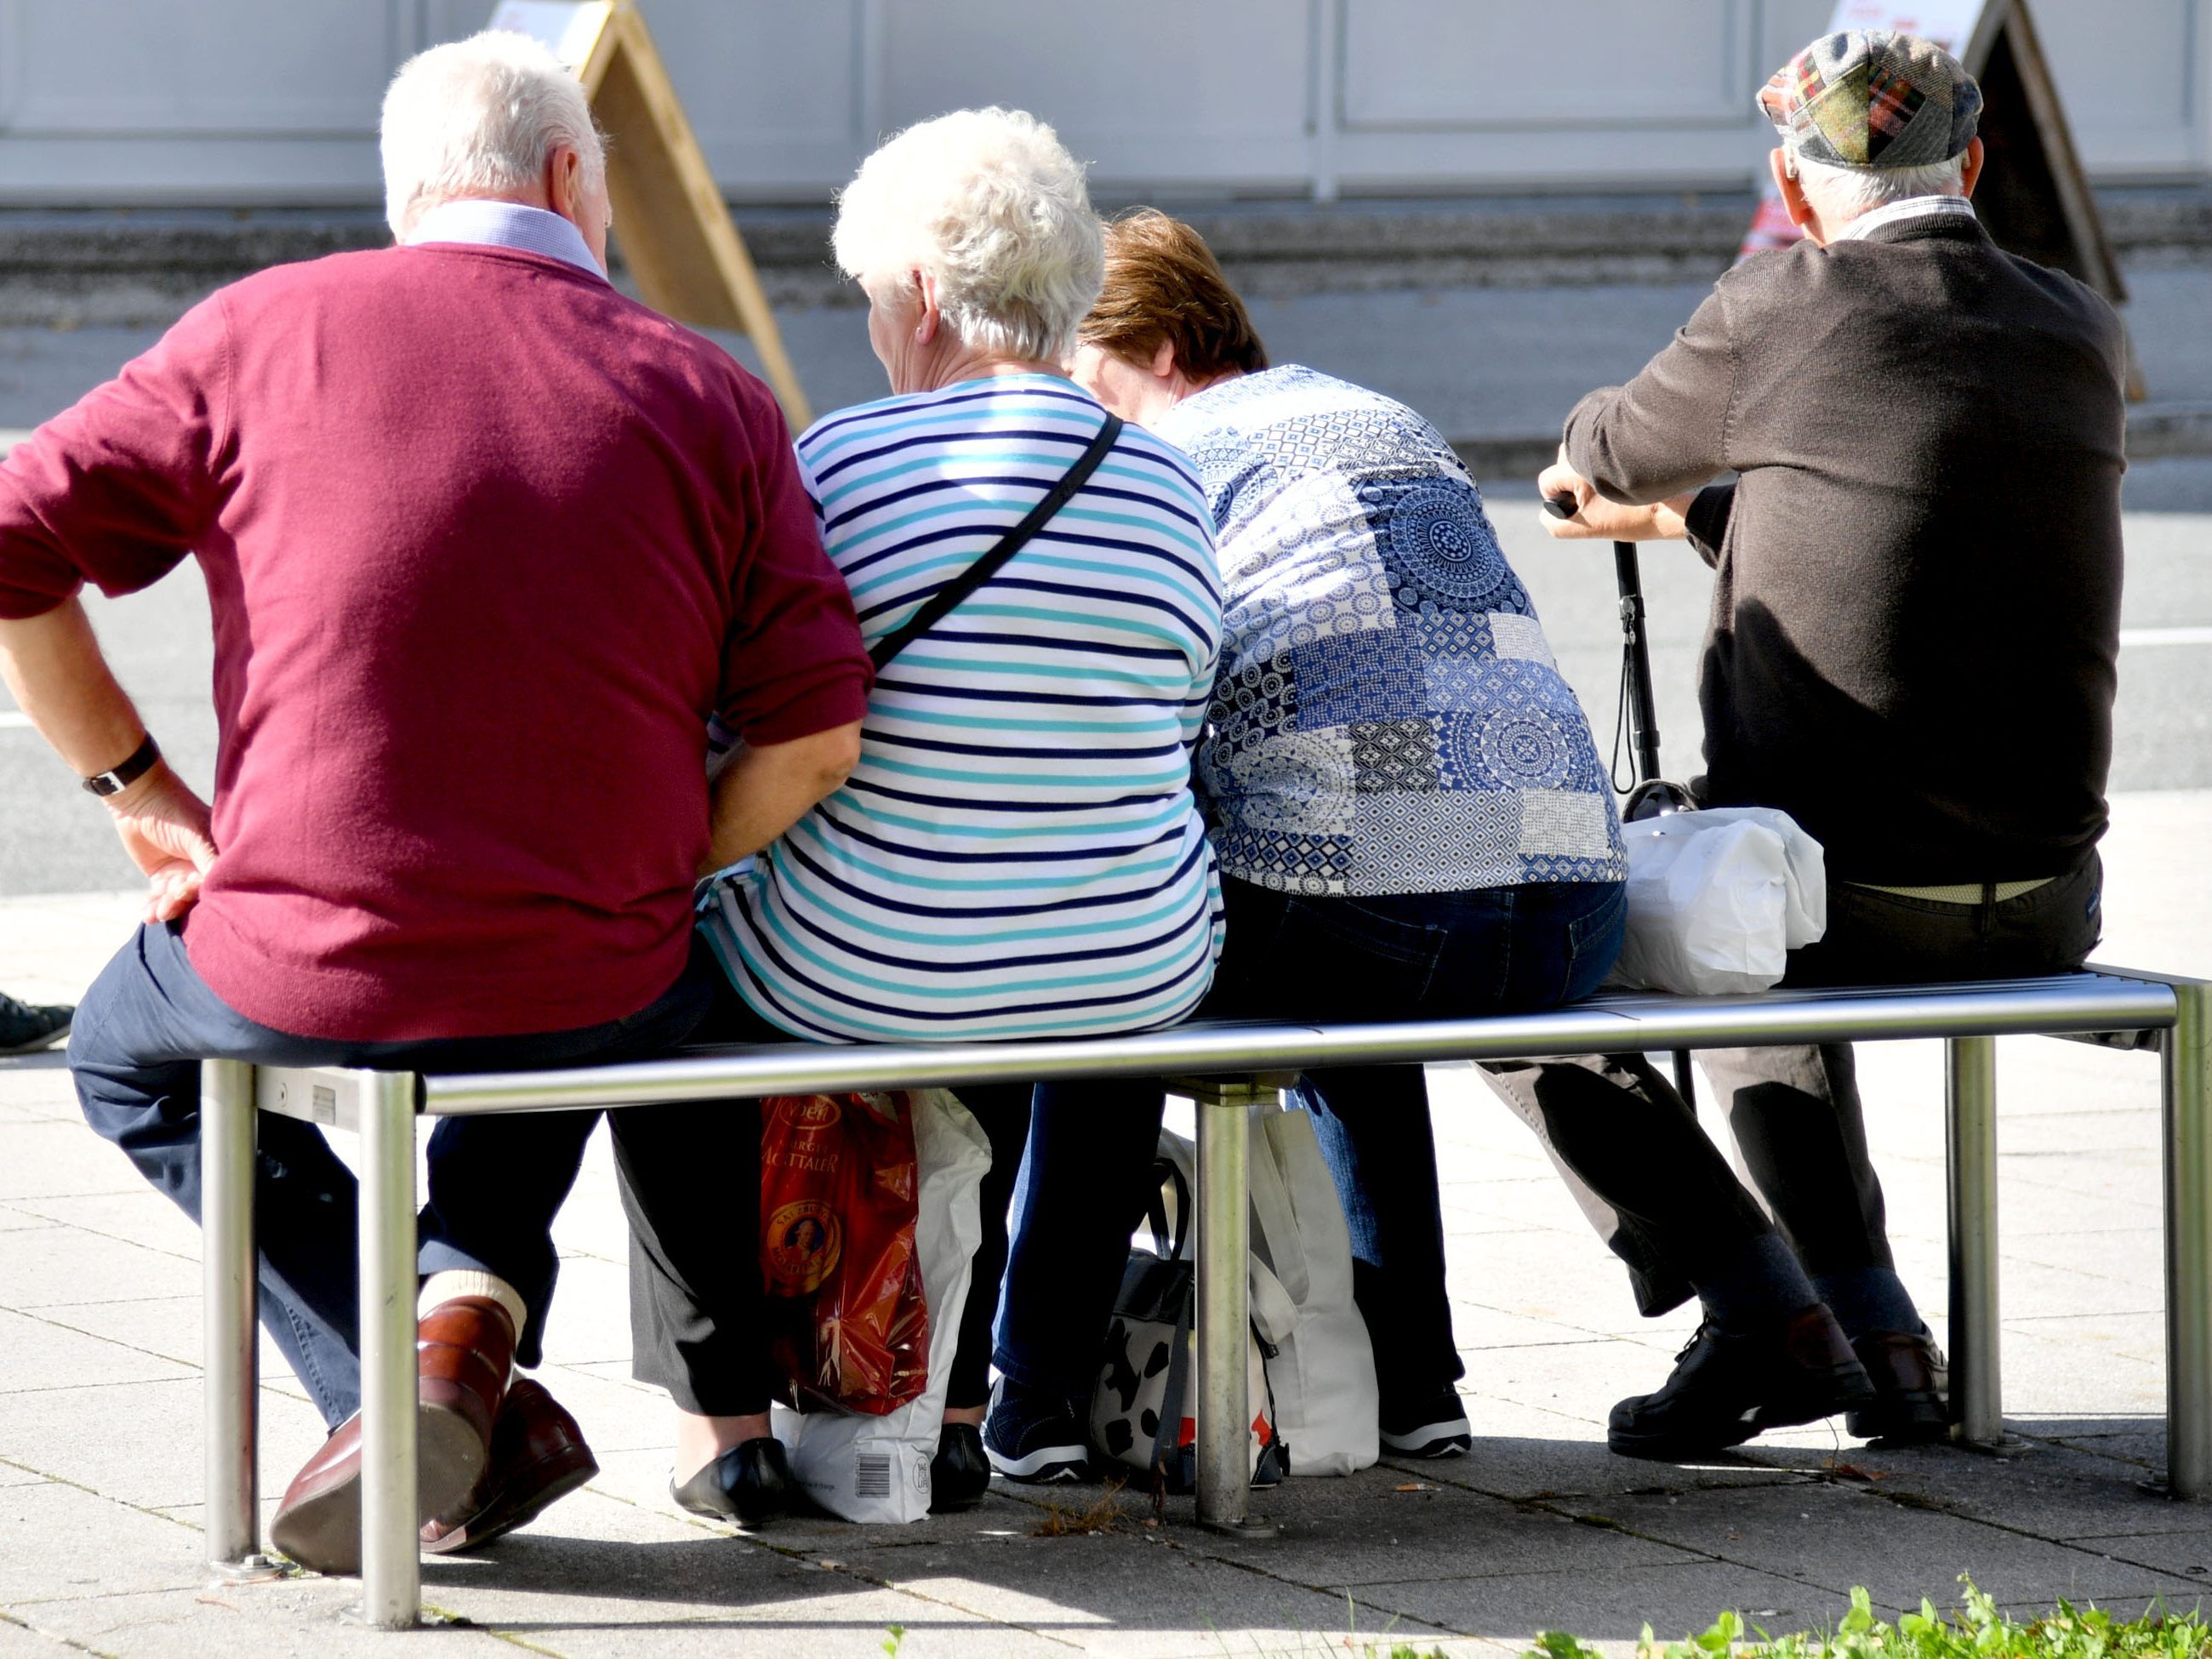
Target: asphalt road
<point>52,838</point>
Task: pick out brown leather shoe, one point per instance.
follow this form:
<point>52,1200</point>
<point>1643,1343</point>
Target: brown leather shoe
<point>538,1457</point>
<point>1911,1388</point>
<point>464,1354</point>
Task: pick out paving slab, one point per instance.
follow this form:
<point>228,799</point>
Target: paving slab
<point>61,1159</point>
<point>1836,1536</point>
<point>1439,1532</point>
<point>46,1353</point>
<point>1674,1601</point>
<point>139,1442</point>
<point>141,1216</point>
<point>59,1541</point>
<point>51,1267</point>
<point>18,1641</point>
<point>298,1618</point>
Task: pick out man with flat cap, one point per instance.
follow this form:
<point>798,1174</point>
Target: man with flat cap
<point>1912,650</point>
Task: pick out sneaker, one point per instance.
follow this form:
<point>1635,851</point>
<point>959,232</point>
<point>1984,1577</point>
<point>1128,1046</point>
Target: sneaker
<point>1435,1426</point>
<point>27,1027</point>
<point>1034,1437</point>
<point>1729,1385</point>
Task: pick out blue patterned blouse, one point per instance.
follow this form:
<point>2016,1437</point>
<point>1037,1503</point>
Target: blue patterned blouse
<point>1388,717</point>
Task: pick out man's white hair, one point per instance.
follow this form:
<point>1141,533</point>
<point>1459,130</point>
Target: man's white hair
<point>990,204</point>
<point>1841,194</point>
<point>480,116</point>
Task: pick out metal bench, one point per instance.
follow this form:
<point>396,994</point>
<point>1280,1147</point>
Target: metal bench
<point>1226,1067</point>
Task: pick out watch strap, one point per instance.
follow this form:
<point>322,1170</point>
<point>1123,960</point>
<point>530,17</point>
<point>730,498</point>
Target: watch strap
<point>136,766</point>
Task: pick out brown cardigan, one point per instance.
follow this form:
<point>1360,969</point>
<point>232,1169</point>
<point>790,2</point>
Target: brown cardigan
<point>1914,626</point>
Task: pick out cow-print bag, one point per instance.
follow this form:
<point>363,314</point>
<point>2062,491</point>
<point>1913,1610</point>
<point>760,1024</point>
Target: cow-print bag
<point>1140,1415</point>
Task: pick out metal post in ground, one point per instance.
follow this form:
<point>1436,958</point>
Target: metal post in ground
<point>2187,1068</point>
<point>229,1280</point>
<point>1971,1093</point>
<point>1221,1399</point>
<point>391,1561</point>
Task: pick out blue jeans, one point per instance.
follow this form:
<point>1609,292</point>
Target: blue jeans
<point>495,1183</point>
<point>1418,956</point>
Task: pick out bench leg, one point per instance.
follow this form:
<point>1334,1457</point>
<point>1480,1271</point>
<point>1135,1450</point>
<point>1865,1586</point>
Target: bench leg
<point>2188,1089</point>
<point>229,1278</point>
<point>390,1562</point>
<point>1976,1388</point>
<point>1222,1405</point>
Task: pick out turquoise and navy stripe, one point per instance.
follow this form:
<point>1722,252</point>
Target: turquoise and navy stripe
<point>1019,853</point>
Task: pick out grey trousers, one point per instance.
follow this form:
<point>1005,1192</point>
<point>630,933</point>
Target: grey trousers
<point>1794,1115</point>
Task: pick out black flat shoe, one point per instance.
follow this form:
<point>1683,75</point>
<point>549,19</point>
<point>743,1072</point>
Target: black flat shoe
<point>748,1484</point>
<point>1729,1385</point>
<point>960,1473</point>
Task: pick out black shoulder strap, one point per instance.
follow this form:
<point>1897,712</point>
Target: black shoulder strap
<point>988,566</point>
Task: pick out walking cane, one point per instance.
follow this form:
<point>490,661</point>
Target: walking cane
<point>1649,795</point>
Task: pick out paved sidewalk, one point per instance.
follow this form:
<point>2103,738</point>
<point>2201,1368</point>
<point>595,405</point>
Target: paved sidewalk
<point>100,1395</point>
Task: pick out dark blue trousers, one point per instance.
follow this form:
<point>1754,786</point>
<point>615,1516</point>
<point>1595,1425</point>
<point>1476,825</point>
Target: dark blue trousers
<point>1412,957</point>
<point>495,1183</point>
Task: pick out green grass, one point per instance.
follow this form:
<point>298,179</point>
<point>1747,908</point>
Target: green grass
<point>1977,1630</point>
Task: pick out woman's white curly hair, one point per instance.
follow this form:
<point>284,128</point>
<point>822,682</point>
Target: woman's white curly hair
<point>990,204</point>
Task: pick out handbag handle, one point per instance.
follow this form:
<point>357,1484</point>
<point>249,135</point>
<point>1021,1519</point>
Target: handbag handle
<point>940,603</point>
<point>1165,1175</point>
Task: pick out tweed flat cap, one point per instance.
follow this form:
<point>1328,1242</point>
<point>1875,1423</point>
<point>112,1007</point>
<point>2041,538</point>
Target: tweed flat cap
<point>1873,98</point>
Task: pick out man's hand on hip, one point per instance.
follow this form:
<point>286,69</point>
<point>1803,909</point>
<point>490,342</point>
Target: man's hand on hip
<point>1596,518</point>
<point>165,829</point>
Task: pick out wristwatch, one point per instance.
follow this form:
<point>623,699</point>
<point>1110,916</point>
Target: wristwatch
<point>140,763</point>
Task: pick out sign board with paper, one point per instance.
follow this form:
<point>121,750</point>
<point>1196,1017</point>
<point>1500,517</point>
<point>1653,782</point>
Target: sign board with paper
<point>674,229</point>
<point>2033,197</point>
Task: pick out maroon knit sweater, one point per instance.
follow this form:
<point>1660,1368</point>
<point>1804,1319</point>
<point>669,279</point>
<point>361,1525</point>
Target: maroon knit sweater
<point>486,544</point>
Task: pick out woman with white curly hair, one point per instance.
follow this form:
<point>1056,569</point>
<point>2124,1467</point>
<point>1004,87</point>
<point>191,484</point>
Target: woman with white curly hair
<point>1018,852</point>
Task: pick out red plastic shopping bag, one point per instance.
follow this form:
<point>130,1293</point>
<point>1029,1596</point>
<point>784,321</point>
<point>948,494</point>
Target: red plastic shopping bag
<point>848,1321</point>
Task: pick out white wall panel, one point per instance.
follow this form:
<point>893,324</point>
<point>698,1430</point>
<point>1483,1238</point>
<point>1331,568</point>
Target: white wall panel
<point>772,90</point>
<point>272,100</point>
<point>2131,78</point>
<point>126,66</point>
<point>1145,90</point>
<point>1508,64</point>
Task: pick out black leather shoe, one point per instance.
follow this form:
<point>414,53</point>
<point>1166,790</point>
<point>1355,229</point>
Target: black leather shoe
<point>960,1473</point>
<point>1911,1388</point>
<point>1729,1385</point>
<point>748,1484</point>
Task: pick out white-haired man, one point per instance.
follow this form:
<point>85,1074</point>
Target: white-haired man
<point>440,492</point>
<point>1914,633</point>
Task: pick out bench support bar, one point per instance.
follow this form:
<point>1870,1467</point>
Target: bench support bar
<point>229,1281</point>
<point>2187,1062</point>
<point>1976,1386</point>
<point>390,1562</point>
<point>1223,1403</point>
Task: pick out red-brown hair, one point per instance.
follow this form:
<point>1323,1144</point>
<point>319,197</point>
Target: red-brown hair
<point>1163,283</point>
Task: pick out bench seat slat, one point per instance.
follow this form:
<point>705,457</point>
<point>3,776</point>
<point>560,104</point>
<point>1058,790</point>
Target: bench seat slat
<point>2062,1005</point>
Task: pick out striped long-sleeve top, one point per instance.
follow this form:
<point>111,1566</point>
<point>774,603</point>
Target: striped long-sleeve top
<point>1019,853</point>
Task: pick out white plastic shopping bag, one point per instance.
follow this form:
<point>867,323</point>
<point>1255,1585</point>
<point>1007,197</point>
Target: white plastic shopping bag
<point>877,1468</point>
<point>1717,899</point>
<point>1321,1369</point>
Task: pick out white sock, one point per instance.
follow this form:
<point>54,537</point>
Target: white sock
<point>453,1283</point>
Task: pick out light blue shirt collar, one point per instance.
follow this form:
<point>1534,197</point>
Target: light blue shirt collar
<point>506,224</point>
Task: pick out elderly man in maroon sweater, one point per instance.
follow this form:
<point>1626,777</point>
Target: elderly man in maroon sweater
<point>440,495</point>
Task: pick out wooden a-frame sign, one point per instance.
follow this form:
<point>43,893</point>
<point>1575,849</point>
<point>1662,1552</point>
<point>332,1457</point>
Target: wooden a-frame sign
<point>673,227</point>
<point>2033,197</point>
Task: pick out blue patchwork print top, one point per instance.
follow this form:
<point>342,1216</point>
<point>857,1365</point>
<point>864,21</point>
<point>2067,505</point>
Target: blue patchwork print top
<point>1388,717</point>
